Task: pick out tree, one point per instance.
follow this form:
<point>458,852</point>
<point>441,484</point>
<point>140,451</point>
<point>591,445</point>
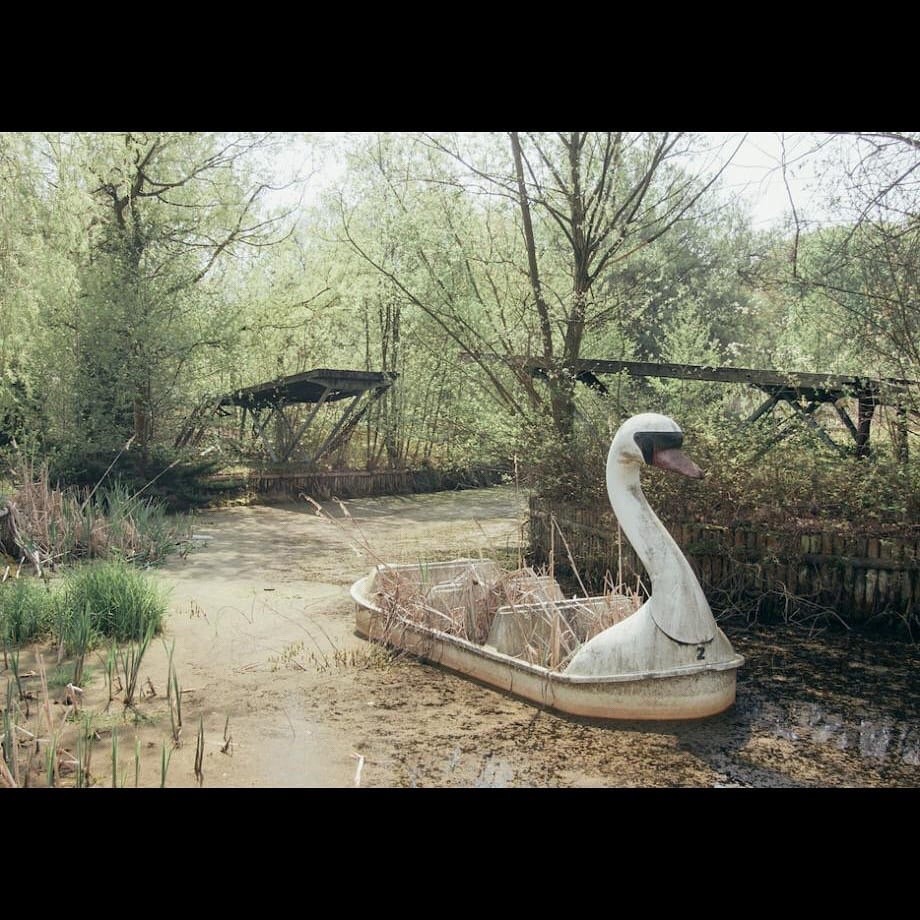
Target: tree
<point>866,267</point>
<point>160,213</point>
<point>399,267</point>
<point>527,226</point>
<point>36,276</point>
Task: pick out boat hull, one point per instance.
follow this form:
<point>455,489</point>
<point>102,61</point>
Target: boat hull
<point>684,693</point>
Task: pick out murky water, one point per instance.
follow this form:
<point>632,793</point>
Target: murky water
<point>880,739</point>
<point>824,710</point>
<point>813,710</point>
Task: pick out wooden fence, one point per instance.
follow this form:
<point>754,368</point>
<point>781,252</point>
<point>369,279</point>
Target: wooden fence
<point>855,577</point>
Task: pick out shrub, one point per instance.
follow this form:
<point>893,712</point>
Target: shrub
<point>120,602</point>
<point>58,525</point>
<point>25,611</point>
<point>170,478</point>
<point>796,483</point>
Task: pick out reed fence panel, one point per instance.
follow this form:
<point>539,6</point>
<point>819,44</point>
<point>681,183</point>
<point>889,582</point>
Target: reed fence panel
<point>858,577</point>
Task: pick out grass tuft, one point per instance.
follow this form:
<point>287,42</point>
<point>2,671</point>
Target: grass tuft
<point>112,600</point>
<point>25,611</point>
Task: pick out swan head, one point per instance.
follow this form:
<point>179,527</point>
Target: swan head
<point>653,439</point>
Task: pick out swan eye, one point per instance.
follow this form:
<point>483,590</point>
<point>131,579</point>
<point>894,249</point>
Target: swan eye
<point>650,441</point>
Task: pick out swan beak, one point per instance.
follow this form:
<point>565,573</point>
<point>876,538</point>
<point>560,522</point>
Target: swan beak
<point>677,461</point>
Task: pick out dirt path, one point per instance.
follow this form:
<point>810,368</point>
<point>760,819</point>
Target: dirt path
<point>262,626</point>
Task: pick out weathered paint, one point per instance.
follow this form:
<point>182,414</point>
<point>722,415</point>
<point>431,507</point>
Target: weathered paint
<point>692,692</point>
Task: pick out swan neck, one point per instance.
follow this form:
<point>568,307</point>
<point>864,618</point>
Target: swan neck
<point>639,523</point>
<point>677,603</point>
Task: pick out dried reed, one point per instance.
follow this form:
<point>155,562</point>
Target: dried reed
<point>545,628</point>
<point>462,598</point>
<point>46,525</point>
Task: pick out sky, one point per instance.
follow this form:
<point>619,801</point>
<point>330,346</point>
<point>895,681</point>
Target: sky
<point>755,171</point>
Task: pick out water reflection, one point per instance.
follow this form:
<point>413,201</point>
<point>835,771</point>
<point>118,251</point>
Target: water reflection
<point>495,774</point>
<point>880,739</point>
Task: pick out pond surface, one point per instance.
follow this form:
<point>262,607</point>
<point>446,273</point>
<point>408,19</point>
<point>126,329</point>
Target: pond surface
<point>264,632</point>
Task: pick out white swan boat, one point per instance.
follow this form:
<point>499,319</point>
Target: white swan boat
<point>602,657</point>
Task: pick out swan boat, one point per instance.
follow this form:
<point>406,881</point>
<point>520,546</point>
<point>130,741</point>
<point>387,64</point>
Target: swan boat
<point>606,657</point>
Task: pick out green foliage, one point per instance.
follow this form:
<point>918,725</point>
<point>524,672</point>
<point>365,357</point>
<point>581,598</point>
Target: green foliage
<point>683,298</point>
<point>26,611</point>
<point>135,484</point>
<point>79,637</point>
<point>98,600</point>
<point>122,602</point>
<point>143,272</point>
<point>129,660</point>
<point>19,407</point>
<point>145,324</point>
<point>797,484</point>
<point>36,277</point>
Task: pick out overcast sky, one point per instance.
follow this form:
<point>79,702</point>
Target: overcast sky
<point>755,172</point>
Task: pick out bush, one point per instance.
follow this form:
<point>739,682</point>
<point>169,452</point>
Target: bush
<point>794,484</point>
<point>59,525</point>
<point>168,477</point>
<point>25,611</point>
<point>120,602</point>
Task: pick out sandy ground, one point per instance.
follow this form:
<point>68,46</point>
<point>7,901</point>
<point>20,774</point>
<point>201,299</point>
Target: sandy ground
<point>261,628</point>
